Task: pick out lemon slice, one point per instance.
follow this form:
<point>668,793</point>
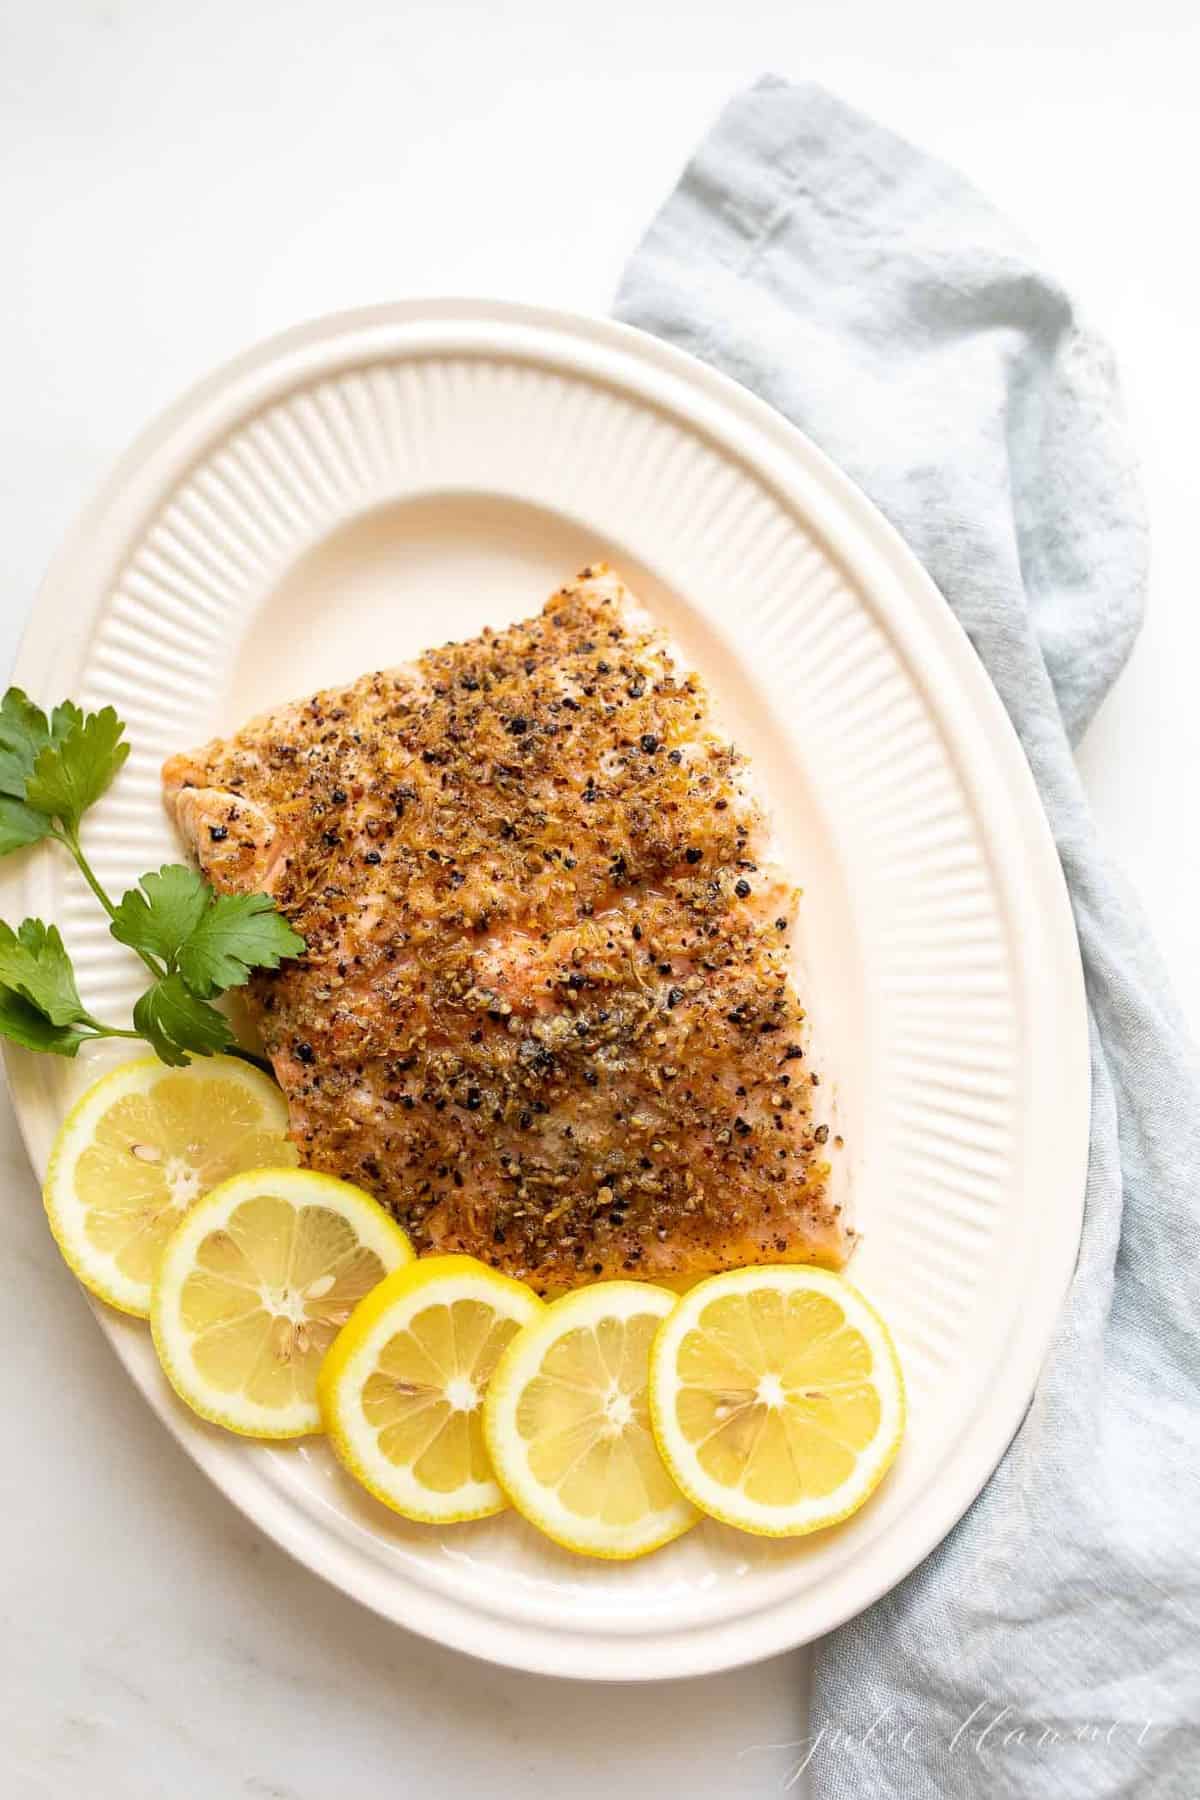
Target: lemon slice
<point>568,1426</point>
<point>777,1398</point>
<point>254,1286</point>
<point>141,1146</point>
<point>401,1390</point>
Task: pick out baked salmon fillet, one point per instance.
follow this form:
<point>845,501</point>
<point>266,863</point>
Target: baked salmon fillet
<point>547,1013</point>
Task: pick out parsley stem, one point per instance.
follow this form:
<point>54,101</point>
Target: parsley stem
<point>85,869</point>
<point>70,840</point>
<point>97,1029</point>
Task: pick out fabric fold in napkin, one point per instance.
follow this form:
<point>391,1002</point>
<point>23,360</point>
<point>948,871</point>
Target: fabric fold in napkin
<point>1051,1646</point>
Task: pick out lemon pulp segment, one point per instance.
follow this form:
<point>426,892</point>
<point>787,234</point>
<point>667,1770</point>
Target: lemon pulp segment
<point>255,1285</point>
<point>568,1425</point>
<point>402,1389</point>
<point>777,1398</point>
<point>139,1149</point>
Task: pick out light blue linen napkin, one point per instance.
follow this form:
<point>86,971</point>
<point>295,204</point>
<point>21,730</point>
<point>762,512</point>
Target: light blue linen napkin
<point>1051,1646</point>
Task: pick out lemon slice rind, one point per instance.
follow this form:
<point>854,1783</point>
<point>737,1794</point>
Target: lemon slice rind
<point>730,1505</point>
<point>510,1452</point>
<point>354,1358</point>
<point>375,1230</point>
<point>65,1211</point>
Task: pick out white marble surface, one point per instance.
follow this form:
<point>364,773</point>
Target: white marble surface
<point>177,180</point>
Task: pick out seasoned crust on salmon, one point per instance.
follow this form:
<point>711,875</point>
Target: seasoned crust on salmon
<point>546,1013</point>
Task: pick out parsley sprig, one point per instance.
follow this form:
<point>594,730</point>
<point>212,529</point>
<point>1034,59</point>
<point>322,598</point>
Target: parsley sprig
<point>195,943</point>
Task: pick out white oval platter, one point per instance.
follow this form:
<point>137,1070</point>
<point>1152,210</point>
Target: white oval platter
<point>371,484</point>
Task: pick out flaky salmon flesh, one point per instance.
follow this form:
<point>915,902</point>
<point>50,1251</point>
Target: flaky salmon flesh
<point>547,1013</point>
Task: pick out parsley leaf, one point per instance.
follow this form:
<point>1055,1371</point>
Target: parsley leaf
<point>213,941</point>
<point>65,717</point>
<point>176,1022</point>
<point>75,767</point>
<point>35,965</point>
<point>24,734</point>
<point>20,824</point>
<point>164,915</point>
<point>39,1002</point>
<point>238,933</point>
<point>24,1024</point>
